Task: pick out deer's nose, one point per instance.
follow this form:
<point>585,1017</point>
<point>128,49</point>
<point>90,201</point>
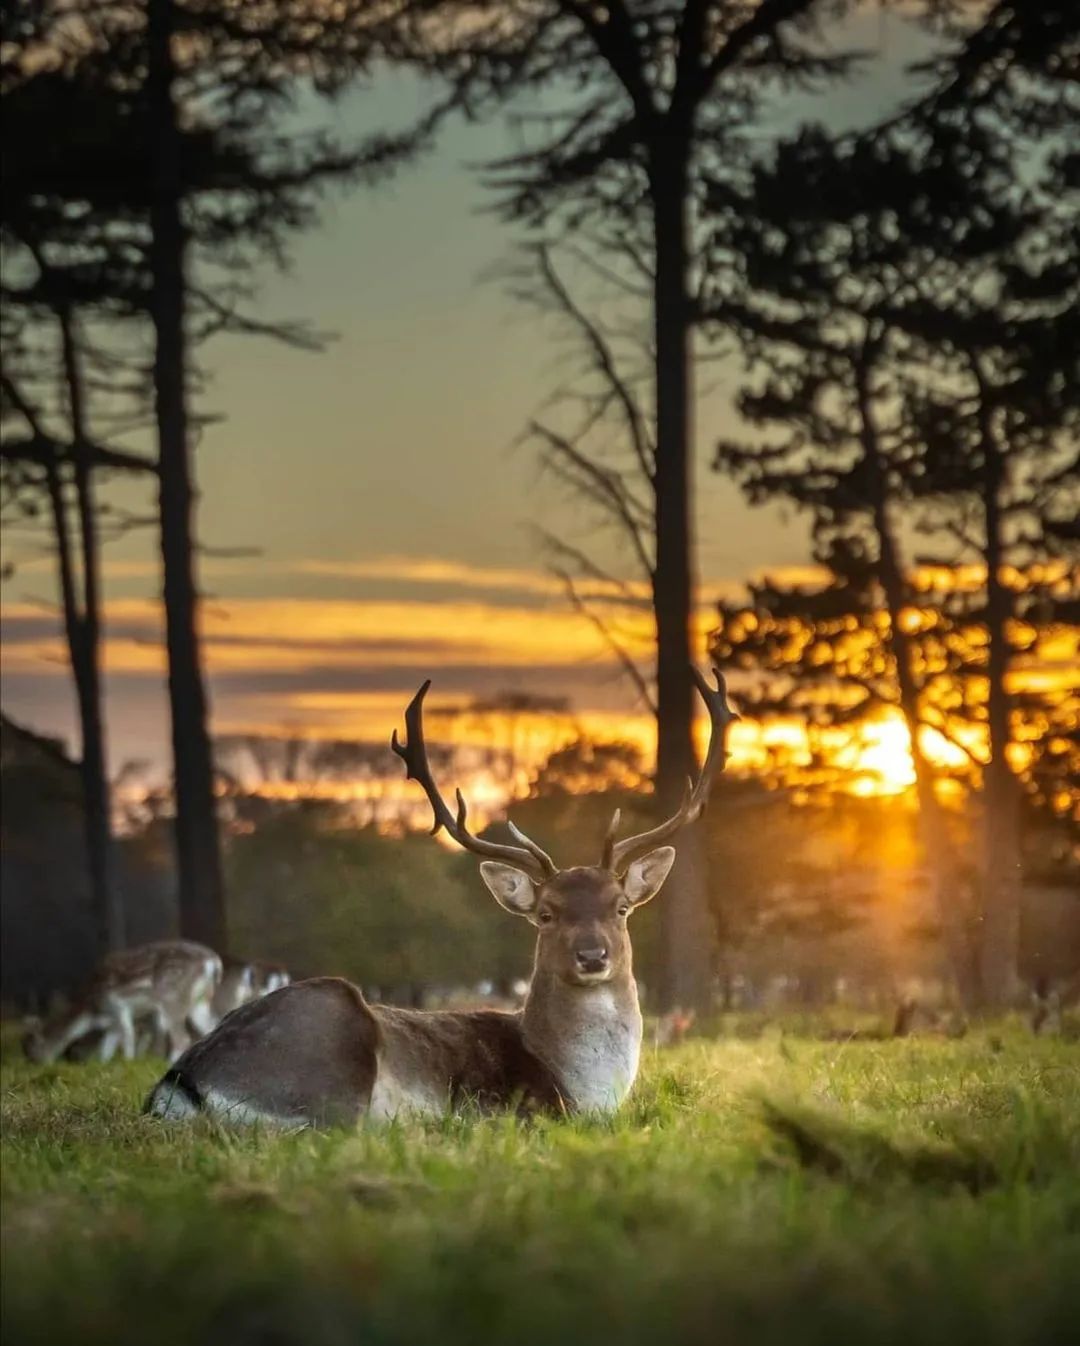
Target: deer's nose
<point>592,960</point>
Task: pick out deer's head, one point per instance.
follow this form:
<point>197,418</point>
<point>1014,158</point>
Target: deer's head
<point>580,914</point>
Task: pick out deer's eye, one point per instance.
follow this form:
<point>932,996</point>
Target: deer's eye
<point>622,909</point>
<point>546,917</point>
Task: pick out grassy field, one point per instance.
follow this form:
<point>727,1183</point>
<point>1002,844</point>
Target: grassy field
<point>753,1191</point>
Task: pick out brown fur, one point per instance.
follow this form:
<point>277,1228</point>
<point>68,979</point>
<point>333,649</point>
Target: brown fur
<point>482,1053</point>
<point>304,1052</point>
<point>316,1053</point>
<point>309,1053</point>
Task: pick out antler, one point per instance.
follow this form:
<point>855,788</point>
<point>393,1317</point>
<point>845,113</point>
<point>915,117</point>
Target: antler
<point>528,857</point>
<point>617,855</point>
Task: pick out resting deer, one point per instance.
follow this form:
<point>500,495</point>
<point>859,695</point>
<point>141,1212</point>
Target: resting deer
<point>167,982</point>
<point>317,1053</point>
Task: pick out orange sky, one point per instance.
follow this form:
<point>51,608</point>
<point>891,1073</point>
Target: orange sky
<point>345,667</point>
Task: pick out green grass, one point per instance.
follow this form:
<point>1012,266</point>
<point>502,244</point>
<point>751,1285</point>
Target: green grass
<point>776,1190</point>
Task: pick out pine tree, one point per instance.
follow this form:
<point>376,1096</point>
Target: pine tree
<point>151,173</point>
<point>911,298</point>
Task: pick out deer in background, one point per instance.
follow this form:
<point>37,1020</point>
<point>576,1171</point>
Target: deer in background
<point>316,1052</point>
<point>241,982</point>
<point>168,982</point>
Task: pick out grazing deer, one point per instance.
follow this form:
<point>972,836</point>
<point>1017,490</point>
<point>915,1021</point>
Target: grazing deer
<point>167,982</point>
<point>317,1053</point>
<point>241,982</point>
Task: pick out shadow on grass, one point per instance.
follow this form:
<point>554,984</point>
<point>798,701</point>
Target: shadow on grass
<point>818,1141</point>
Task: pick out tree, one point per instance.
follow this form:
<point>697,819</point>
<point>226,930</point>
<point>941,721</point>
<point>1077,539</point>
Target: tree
<point>1004,329</point>
<point>183,170</point>
<point>590,766</point>
<point>913,317</point>
<point>256,58</point>
<point>37,465</point>
<point>654,99</point>
<point>58,278</point>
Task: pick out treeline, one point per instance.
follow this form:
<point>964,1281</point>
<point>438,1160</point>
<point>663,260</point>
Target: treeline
<point>812,895</point>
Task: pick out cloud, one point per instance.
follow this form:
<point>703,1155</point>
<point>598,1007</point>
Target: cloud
<point>285,633</point>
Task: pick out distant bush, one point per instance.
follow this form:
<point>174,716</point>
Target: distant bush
<point>391,913</point>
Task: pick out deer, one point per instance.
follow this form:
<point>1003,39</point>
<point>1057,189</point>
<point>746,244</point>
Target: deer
<point>240,983</point>
<point>166,982</point>
<point>315,1053</point>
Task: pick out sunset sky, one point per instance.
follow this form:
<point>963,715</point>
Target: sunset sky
<point>379,482</point>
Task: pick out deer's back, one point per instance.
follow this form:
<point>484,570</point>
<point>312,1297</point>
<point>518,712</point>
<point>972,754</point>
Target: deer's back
<point>168,964</point>
<point>303,1055</point>
<point>315,1053</point>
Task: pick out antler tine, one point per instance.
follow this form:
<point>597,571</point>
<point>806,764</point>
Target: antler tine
<point>413,752</point>
<point>696,796</point>
<point>534,850</point>
<point>609,840</point>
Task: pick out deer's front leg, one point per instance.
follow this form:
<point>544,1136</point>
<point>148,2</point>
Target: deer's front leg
<point>201,1018</point>
<point>125,1025</point>
<point>110,1040</point>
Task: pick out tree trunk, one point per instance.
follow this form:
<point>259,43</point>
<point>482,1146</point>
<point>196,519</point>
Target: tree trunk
<point>84,642</point>
<point>933,833</point>
<point>202,915</point>
<point>686,928</point>
<point>1000,951</point>
<point>107,916</point>
<point>945,881</point>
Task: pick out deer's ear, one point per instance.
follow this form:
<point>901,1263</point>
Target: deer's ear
<point>644,878</point>
<point>510,887</point>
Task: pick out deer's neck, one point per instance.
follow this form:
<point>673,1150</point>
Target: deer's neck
<point>588,1036</point>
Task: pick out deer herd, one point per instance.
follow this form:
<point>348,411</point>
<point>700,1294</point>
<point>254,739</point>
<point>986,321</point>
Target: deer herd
<point>156,998</point>
<point>245,1044</point>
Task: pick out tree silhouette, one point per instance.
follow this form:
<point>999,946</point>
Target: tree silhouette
<point>178,181</point>
<point>60,276</point>
<point>598,440</point>
<point>910,298</point>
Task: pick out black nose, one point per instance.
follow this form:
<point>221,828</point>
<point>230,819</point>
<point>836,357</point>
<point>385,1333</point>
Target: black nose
<point>592,960</point>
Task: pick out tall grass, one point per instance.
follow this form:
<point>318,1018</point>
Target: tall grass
<point>914,1191</point>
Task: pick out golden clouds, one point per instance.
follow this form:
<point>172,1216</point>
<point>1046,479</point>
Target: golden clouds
<point>337,667</point>
<point>259,634</point>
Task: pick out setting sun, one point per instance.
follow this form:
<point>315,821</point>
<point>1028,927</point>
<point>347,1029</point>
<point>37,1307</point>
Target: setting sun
<point>881,758</point>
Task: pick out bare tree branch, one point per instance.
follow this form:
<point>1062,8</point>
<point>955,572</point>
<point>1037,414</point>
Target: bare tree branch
<point>604,361</point>
<point>629,666</point>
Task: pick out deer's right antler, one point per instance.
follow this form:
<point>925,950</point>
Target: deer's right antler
<point>528,857</point>
<point>618,854</point>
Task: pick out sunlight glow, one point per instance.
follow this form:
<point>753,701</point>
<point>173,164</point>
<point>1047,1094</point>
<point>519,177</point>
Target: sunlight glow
<point>883,760</point>
<point>280,662</point>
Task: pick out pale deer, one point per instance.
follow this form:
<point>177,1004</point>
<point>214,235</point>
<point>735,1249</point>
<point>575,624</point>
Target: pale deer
<point>316,1053</point>
<point>166,983</point>
<point>241,982</point>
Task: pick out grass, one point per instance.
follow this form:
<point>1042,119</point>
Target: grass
<point>916,1191</point>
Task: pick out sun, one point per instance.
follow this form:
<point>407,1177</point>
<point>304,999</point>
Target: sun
<point>883,759</point>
